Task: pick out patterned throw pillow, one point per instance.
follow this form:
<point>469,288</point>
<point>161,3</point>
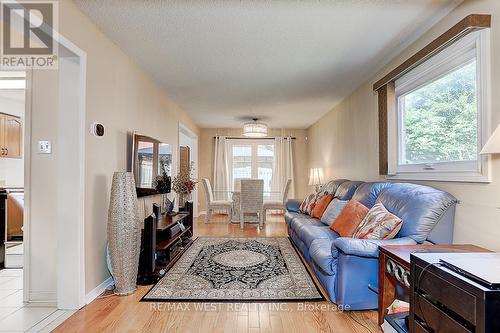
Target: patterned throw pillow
<point>309,203</point>
<point>321,205</point>
<point>379,224</point>
<point>333,211</point>
<point>305,206</point>
<point>350,218</point>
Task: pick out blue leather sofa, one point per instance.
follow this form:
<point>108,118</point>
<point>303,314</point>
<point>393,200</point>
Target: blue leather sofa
<point>347,267</point>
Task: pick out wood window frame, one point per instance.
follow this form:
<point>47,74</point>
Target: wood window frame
<point>385,87</point>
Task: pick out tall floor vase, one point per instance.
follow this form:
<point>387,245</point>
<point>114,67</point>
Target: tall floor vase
<point>124,233</point>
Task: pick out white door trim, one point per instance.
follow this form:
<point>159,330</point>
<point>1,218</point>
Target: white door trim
<point>184,130</point>
<point>71,253</point>
<point>27,187</point>
<point>70,292</point>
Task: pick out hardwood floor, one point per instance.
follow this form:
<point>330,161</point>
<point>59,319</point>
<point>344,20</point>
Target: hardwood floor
<point>126,314</point>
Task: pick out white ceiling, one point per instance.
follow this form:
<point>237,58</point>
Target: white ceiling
<point>286,62</point>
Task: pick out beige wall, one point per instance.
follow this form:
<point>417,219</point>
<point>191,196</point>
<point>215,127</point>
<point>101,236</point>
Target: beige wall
<point>123,98</point>
<point>44,99</point>
<point>206,155</point>
<point>345,141</point>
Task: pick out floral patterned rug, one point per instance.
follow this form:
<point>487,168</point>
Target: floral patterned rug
<point>239,270</point>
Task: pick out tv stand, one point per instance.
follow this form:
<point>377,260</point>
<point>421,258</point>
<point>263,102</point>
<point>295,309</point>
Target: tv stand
<point>171,240</point>
<point>174,235</point>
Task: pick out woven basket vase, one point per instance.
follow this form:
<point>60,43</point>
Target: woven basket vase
<point>124,233</point>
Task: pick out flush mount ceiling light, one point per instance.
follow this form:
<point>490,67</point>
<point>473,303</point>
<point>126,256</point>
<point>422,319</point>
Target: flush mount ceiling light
<point>254,129</point>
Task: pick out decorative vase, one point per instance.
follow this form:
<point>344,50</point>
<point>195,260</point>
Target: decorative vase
<point>183,198</point>
<point>124,233</point>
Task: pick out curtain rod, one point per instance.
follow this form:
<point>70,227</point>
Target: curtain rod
<point>245,138</point>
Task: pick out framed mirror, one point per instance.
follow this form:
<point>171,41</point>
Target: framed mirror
<point>151,158</point>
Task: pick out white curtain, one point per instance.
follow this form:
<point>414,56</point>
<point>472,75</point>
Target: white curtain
<point>283,166</point>
<point>221,171</point>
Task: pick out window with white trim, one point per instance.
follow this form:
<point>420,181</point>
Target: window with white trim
<point>442,115</point>
<point>251,159</point>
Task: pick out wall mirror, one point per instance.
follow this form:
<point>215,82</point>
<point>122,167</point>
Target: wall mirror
<point>151,158</point>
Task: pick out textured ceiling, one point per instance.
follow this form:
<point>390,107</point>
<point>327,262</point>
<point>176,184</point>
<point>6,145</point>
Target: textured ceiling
<point>286,62</point>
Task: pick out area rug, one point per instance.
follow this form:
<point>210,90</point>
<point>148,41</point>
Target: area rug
<point>237,270</point>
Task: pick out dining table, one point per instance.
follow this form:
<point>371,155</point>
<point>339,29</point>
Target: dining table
<point>235,197</point>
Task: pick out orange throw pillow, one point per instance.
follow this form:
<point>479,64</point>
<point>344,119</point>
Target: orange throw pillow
<point>349,219</point>
<point>321,205</point>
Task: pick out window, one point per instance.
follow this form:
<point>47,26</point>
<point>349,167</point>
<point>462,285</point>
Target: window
<point>252,159</point>
<point>441,120</point>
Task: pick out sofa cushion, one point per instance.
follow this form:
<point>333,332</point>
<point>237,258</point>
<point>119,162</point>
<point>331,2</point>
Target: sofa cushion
<point>289,216</point>
<point>346,190</point>
<point>368,193</point>
<point>301,220</point>
<point>333,211</point>
<point>332,186</point>
<point>309,233</point>
<point>293,205</point>
<point>378,224</point>
<point>349,219</point>
<point>324,255</point>
<point>420,207</point>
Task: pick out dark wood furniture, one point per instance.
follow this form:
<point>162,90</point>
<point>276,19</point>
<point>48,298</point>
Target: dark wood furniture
<point>171,242</point>
<point>394,269</point>
<point>442,300</point>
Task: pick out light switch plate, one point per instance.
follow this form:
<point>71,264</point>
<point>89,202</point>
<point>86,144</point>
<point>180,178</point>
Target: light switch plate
<point>44,147</point>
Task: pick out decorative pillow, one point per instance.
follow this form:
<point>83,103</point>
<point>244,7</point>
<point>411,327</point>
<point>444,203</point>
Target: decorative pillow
<point>333,210</point>
<point>305,206</point>
<point>321,205</point>
<point>349,219</point>
<point>379,224</point>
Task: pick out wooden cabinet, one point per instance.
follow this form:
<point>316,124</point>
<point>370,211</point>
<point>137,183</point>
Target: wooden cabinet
<point>449,301</point>
<point>11,134</point>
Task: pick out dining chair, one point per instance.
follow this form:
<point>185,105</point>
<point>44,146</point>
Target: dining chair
<point>251,200</point>
<point>277,204</point>
<point>237,184</point>
<point>214,204</point>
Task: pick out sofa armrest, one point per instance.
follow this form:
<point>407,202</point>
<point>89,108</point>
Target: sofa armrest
<point>366,247</point>
<point>293,205</point>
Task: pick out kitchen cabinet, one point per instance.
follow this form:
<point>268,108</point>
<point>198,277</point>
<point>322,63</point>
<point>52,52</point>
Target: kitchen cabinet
<point>11,134</point>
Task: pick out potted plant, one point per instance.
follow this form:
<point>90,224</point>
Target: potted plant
<point>183,184</point>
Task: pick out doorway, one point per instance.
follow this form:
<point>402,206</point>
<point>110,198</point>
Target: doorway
<point>12,115</point>
<point>55,183</point>
<point>188,155</point>
<point>43,244</point>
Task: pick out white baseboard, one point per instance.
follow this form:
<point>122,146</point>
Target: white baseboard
<point>43,304</point>
<point>94,293</point>
<point>42,298</point>
<point>202,213</point>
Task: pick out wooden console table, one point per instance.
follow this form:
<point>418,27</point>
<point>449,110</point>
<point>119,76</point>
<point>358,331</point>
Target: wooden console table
<point>394,268</point>
<point>166,237</point>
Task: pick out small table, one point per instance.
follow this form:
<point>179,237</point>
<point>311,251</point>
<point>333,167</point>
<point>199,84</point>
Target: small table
<point>235,199</point>
<point>394,268</point>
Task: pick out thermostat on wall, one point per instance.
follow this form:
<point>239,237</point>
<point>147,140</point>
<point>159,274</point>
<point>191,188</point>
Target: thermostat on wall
<point>97,129</point>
